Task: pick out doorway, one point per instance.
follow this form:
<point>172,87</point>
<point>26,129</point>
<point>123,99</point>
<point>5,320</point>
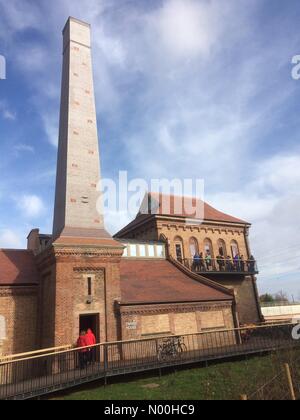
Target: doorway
<point>92,322</point>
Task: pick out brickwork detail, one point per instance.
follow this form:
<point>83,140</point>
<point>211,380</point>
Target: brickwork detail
<point>153,320</point>
<point>175,230</point>
<point>18,307</point>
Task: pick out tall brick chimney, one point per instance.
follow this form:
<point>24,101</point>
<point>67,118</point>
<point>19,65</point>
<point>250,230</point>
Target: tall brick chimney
<point>78,166</point>
<point>80,269</point>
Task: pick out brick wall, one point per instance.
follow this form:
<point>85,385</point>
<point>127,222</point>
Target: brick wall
<point>67,299</point>
<point>171,230</point>
<point>142,321</point>
<point>246,295</point>
<point>18,306</point>
<point>245,298</point>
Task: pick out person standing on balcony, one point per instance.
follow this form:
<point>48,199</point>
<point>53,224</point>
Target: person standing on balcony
<point>196,262</point>
<point>202,265</point>
<point>237,264</point>
<point>252,264</point>
<point>242,262</point>
<point>221,262</point>
<point>229,265</point>
<point>208,261</point>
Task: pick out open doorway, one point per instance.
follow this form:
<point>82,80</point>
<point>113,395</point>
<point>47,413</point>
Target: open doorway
<point>92,322</point>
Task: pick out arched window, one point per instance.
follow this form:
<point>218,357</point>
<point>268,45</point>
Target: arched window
<point>222,248</point>
<point>208,248</point>
<point>234,249</point>
<point>194,247</point>
<point>2,328</point>
<point>179,248</point>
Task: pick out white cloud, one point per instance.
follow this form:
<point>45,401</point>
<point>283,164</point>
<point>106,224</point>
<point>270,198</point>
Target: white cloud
<point>50,122</point>
<point>17,16</point>
<point>31,205</point>
<point>187,28</point>
<point>115,220</point>
<point>270,201</point>
<point>33,59</point>
<point>6,113</point>
<point>199,90</point>
<point>10,239</point>
<point>23,148</point>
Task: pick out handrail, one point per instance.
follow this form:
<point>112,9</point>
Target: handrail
<point>73,350</point>
<point>36,352</point>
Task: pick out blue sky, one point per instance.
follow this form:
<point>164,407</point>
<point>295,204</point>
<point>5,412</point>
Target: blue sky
<point>184,88</point>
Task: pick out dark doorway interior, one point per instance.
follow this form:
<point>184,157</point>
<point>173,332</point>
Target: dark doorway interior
<point>92,322</point>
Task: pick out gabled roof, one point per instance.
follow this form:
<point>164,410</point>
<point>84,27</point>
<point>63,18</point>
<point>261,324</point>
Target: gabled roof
<point>174,206</point>
<point>17,267</point>
<point>160,281</point>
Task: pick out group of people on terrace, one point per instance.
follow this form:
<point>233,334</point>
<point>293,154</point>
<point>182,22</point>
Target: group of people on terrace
<point>227,264</point>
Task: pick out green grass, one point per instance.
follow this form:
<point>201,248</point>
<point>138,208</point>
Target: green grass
<point>223,381</point>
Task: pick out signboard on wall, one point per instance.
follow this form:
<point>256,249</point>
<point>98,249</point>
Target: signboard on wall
<point>131,325</point>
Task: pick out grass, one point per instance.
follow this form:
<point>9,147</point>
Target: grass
<point>223,381</point>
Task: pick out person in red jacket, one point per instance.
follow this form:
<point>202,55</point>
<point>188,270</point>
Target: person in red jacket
<point>91,341</point>
<point>83,351</point>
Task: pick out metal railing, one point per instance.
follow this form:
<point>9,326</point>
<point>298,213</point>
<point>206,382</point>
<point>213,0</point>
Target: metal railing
<point>42,374</point>
<point>277,304</point>
<point>220,266</point>
<point>40,352</point>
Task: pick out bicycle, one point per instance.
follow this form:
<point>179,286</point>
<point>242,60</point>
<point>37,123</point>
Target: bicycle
<point>171,348</point>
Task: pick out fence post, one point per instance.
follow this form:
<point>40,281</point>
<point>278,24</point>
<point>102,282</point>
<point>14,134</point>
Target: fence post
<point>105,354</point>
<point>157,356</point>
<point>290,381</point>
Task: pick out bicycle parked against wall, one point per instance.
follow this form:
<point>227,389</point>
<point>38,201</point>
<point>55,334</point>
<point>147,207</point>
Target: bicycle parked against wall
<point>171,348</point>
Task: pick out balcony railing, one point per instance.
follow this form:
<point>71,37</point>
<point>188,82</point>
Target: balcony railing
<point>221,266</point>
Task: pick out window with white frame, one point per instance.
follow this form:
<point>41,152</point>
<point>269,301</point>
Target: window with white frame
<point>160,249</point>
<point>142,251</point>
<point>151,251</point>
<point>133,250</point>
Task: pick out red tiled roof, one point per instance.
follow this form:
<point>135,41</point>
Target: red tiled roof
<point>174,206</point>
<point>17,267</point>
<point>159,281</point>
<point>178,206</point>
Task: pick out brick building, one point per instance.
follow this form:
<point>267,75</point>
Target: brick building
<point>216,234</point>
<point>138,284</point>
